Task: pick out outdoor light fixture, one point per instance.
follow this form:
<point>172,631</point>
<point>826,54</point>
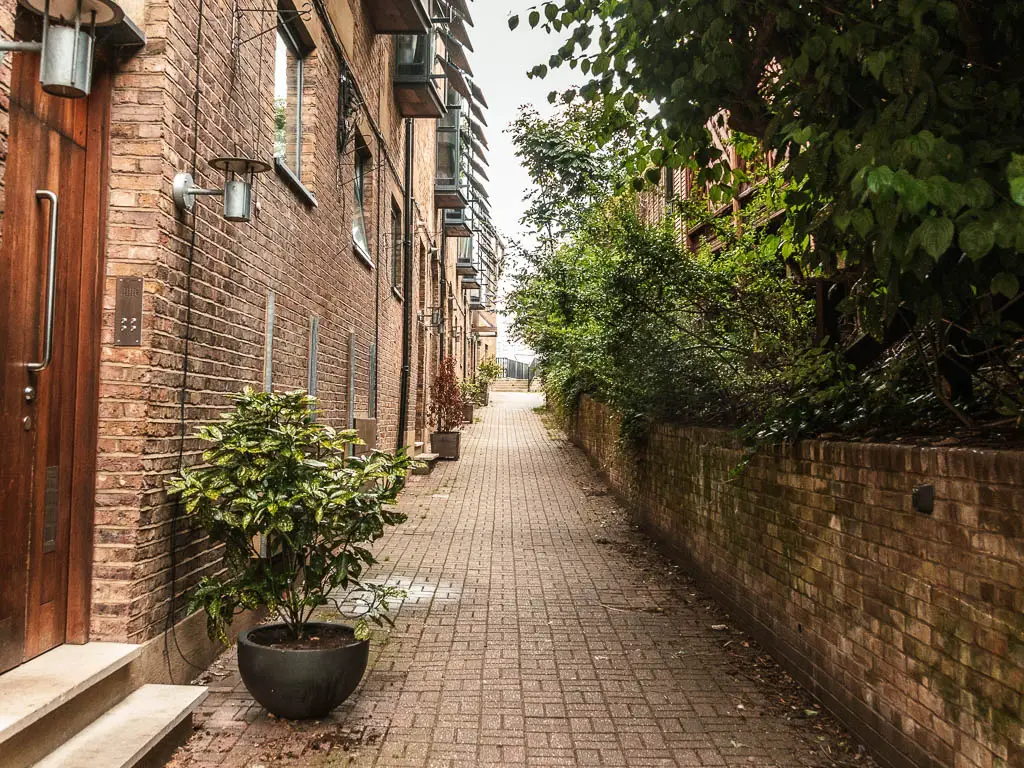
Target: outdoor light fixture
<point>436,319</point>
<point>239,173</point>
<point>69,36</point>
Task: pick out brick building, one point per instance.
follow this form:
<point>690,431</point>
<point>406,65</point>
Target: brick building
<point>359,129</point>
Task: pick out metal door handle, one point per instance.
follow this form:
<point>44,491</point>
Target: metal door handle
<point>51,283</point>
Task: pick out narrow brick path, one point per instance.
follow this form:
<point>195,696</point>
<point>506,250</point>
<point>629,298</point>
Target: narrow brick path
<point>539,630</point>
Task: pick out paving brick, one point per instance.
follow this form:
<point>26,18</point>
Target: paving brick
<point>526,640</point>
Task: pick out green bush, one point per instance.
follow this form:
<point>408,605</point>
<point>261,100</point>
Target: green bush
<point>488,371</point>
<point>899,131</point>
<point>293,511</point>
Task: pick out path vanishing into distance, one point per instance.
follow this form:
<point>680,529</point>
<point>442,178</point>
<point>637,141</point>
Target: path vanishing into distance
<point>540,630</point>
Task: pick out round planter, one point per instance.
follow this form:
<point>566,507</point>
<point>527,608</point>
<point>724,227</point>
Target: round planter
<point>300,684</point>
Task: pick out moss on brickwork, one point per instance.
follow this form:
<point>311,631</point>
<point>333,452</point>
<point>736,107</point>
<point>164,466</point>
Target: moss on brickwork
<point>927,610</point>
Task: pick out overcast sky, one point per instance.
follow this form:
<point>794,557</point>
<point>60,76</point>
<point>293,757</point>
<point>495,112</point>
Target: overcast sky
<point>500,63</point>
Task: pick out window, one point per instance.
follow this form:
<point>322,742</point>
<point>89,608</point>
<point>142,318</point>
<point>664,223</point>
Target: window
<point>288,66</point>
<point>413,55</point>
<point>359,236</point>
<point>313,354</point>
<point>291,115</point>
<point>397,249</point>
<point>447,156</point>
<point>268,342</point>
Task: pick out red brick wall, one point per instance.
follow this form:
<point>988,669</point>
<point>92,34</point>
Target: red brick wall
<point>909,626</point>
<point>303,253</point>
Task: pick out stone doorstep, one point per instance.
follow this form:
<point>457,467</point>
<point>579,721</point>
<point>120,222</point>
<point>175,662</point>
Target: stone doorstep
<point>428,460</point>
<point>124,735</point>
<point>30,692</point>
<point>75,707</point>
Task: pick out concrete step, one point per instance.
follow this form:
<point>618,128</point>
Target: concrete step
<point>148,723</point>
<point>47,700</point>
<point>509,385</point>
<point>427,462</point>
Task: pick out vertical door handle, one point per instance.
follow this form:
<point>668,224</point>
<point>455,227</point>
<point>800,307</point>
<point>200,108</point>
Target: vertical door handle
<point>51,283</point>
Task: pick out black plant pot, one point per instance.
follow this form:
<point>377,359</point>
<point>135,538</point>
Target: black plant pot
<point>446,444</point>
<point>467,413</point>
<point>299,684</point>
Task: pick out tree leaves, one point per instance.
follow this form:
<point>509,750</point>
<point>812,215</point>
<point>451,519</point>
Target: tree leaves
<point>977,239</point>
<point>883,108</point>
<point>900,124</point>
<point>1017,190</point>
<point>1006,284</point>
<point>935,235</point>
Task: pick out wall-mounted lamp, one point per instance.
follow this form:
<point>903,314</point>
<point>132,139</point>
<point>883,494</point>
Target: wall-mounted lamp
<point>431,318</point>
<point>239,173</point>
<point>66,48</point>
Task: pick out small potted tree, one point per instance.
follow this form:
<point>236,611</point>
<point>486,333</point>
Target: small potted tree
<point>446,412</point>
<point>486,372</point>
<point>470,395</point>
<point>294,513</point>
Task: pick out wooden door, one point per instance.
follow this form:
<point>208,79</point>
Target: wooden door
<point>56,161</point>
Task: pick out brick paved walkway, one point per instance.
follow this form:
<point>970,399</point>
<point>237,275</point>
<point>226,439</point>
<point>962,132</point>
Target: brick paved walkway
<point>538,631</point>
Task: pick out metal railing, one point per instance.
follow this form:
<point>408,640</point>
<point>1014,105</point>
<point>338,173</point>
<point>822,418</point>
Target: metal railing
<point>514,369</point>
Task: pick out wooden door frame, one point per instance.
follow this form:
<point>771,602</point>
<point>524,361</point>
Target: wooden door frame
<point>87,382</point>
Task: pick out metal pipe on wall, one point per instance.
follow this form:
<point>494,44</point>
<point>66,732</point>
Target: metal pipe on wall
<point>403,401</point>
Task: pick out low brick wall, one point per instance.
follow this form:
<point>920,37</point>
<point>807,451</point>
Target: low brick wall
<point>909,626</point>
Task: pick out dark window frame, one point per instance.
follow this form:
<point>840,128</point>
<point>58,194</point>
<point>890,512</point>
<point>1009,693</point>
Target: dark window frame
<point>362,164</point>
<point>292,33</point>
<point>397,251</point>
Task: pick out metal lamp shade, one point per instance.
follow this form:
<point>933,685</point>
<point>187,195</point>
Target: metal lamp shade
<point>237,200</point>
<point>69,37</point>
<point>66,66</point>
<point>239,173</point>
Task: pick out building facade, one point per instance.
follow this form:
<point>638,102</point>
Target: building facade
<point>321,253</point>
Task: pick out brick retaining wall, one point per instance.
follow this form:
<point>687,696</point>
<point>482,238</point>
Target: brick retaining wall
<point>909,626</point>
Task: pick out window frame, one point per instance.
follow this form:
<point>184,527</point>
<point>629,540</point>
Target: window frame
<point>287,36</point>
<point>296,38</point>
<point>397,251</point>
<point>362,158</point>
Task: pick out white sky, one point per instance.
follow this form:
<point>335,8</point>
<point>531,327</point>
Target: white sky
<point>500,63</point>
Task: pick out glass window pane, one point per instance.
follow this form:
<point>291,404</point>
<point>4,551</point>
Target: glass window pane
<point>359,238</point>
<point>287,103</point>
<point>411,55</point>
<point>397,256</point>
<point>447,158</point>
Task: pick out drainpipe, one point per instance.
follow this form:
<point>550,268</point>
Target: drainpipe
<point>443,272</point>
<point>403,402</point>
<point>465,338</point>
<point>382,226</point>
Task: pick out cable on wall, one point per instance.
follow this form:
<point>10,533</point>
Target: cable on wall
<point>170,629</point>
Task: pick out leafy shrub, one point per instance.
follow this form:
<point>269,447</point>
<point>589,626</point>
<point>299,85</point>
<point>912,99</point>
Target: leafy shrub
<point>471,390</point>
<point>446,398</point>
<point>293,510</point>
<point>898,126</point>
<point>488,371</point>
<point>626,303</point>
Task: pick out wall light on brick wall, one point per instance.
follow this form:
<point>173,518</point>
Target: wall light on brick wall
<point>239,174</point>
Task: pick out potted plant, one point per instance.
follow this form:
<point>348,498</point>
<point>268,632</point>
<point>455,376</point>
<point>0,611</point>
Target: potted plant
<point>446,411</point>
<point>294,513</point>
<point>470,394</point>
<point>486,372</point>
